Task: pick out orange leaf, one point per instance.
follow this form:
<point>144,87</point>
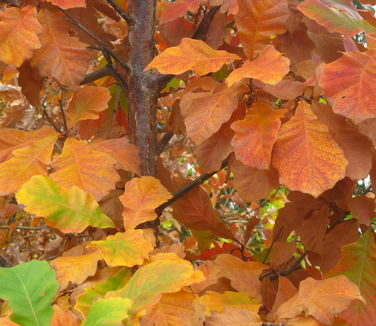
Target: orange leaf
<point>244,276</point>
<point>192,55</point>
<point>61,55</point>
<point>127,155</point>
<point>86,104</point>
<point>355,146</point>
<point>321,299</point>
<point>12,139</point>
<point>63,318</point>
<point>258,20</point>
<point>205,112</point>
<point>256,134</point>
<point>140,199</point>
<point>75,167</point>
<point>306,156</point>
<point>269,67</point>
<point>26,162</point>
<point>172,309</point>
<point>18,34</point>
<point>124,249</point>
<point>66,4</point>
<point>75,269</point>
<point>348,84</point>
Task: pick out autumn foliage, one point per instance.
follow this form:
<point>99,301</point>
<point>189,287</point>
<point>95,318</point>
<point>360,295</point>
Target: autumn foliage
<point>187,162</point>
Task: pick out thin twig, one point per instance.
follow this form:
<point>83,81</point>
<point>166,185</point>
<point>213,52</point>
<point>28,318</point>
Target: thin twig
<point>203,27</point>
<point>130,20</point>
<point>164,142</point>
<point>51,122</point>
<point>187,188</point>
<point>29,228</point>
<point>103,47</point>
<point>97,74</point>
<point>61,102</point>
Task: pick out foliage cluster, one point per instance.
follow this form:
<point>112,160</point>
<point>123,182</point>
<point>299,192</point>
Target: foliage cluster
<point>188,162</point>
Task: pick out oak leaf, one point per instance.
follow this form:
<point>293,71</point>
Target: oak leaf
<point>86,104</point>
<point>174,10</point>
<point>204,112</point>
<point>75,269</point>
<point>61,56</point>
<point>306,156</point>
<point>348,85</point>
<point>336,17</point>
<point>170,274</point>
<point>256,134</point>
<point>25,163</point>
<point>69,210</point>
<point>269,67</point>
<point>140,199</point>
<point>124,249</point>
<point>193,55</point>
<point>75,166</point>
<point>321,299</point>
<point>18,34</point>
<point>358,263</point>
<point>257,21</point>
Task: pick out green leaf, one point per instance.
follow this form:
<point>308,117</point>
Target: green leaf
<point>166,273</point>
<point>69,210</point>
<point>86,299</point>
<point>29,289</point>
<point>108,312</point>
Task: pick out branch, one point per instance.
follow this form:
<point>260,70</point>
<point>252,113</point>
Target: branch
<point>164,142</point>
<point>103,47</point>
<point>63,113</point>
<point>188,187</point>
<point>97,74</point>
<point>51,122</point>
<point>129,19</point>
<point>203,28</point>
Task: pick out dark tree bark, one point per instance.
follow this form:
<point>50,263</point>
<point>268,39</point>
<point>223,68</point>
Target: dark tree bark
<point>143,91</point>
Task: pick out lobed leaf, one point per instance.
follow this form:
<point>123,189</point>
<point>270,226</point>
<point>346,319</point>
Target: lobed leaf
<point>69,210</point>
<point>124,249</point>
<point>18,34</point>
<point>86,104</point>
<point>269,67</point>
<point>306,156</point>
<point>140,199</point>
<point>75,166</point>
<point>193,55</point>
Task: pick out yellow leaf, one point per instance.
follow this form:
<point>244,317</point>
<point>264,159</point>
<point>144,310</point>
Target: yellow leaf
<point>124,249</point>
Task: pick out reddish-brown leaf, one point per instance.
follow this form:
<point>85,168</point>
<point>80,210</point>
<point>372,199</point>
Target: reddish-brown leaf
<point>61,56</point>
<point>18,34</point>
<point>348,83</point>
<point>256,134</point>
<point>66,4</point>
<point>306,156</point>
<point>321,299</point>
<point>205,112</point>
<point>258,20</point>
